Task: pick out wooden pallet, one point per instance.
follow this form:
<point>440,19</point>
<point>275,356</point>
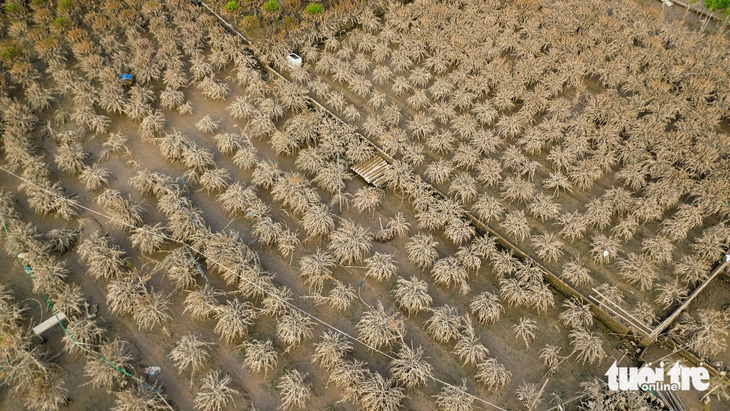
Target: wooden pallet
<point>373,171</point>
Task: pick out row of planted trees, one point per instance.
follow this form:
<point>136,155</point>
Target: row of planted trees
<point>127,291</point>
<point>575,165</point>
<point>495,111</point>
<point>445,322</point>
<point>379,328</point>
<point>291,190</point>
<point>28,368</point>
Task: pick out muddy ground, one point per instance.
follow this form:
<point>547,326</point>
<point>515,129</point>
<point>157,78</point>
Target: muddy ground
<point>152,348</point>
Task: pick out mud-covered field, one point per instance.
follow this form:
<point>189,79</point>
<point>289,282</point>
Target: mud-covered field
<point>206,217</point>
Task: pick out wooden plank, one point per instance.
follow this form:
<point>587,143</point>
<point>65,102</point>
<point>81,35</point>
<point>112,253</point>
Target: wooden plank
<point>50,322</point>
<point>369,166</point>
<point>368,171</point>
<point>381,182</point>
<point>373,174</point>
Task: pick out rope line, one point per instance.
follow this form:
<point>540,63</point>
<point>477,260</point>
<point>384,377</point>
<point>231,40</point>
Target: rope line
<point>263,289</point>
<point>29,271</point>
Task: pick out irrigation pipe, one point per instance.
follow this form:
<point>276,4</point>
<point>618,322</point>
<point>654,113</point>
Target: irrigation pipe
<point>39,306</point>
<point>53,311</point>
<point>359,287</point>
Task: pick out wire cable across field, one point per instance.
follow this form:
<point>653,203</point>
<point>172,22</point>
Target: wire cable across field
<point>263,289</point>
